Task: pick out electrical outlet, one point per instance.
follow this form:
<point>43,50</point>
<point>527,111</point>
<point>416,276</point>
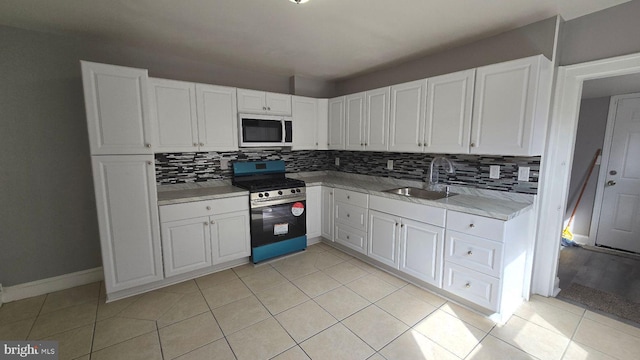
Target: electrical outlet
<point>224,164</point>
<point>523,173</point>
<point>494,172</point>
<point>389,164</point>
<point>337,161</point>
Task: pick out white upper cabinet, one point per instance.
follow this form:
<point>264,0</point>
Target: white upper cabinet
<point>448,113</point>
<point>305,122</point>
<point>336,123</point>
<point>376,131</point>
<point>217,118</point>
<point>322,134</point>
<point>354,121</point>
<point>173,115</point>
<point>117,109</point>
<point>260,102</point>
<point>126,199</point>
<point>406,119</point>
<point>511,107</point>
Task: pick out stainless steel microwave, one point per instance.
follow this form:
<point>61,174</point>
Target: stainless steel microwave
<point>265,130</point>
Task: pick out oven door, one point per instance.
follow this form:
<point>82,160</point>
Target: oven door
<point>273,223</point>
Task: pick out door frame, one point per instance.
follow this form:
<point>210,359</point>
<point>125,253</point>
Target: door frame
<point>604,165</point>
<point>558,157</point>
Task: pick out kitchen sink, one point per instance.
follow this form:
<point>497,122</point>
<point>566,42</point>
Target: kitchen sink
<point>420,193</point>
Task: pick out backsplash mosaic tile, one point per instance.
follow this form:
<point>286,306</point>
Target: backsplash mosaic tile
<point>470,170</point>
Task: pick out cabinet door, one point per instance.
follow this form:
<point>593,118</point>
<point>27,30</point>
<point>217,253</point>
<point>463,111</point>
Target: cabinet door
<point>349,237</point>
<point>406,118</point>
<point>230,238</point>
<point>327,213</point>
<point>305,121</point>
<point>383,238</point>
<point>251,101</point>
<point>116,102</point>
<point>422,251</point>
<point>186,245</point>
<point>278,104</point>
<point>503,107</point>
<point>354,121</point>
<point>173,115</point>
<point>336,124</point>
<point>322,129</point>
<point>448,118</point>
<point>314,212</point>
<point>217,118</point>
<point>376,132</point>
<point>128,220</point>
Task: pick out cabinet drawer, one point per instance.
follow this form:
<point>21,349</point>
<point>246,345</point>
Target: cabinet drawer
<point>351,197</point>
<point>474,253</point>
<point>354,239</point>
<point>351,215</point>
<point>423,213</point>
<point>471,285</point>
<point>475,225</point>
<point>203,208</point>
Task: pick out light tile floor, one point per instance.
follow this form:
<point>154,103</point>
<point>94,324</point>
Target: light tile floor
<point>320,304</point>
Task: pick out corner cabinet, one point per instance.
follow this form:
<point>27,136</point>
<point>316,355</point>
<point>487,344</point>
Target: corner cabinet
<point>200,234</point>
<point>126,201</point>
<point>305,114</point>
<point>336,138</point>
<point>116,103</point>
<point>511,107</point>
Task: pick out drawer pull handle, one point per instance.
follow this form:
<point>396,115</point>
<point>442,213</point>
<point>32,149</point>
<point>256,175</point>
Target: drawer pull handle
<point>208,207</point>
<point>471,226</point>
<point>469,252</point>
<point>467,285</point>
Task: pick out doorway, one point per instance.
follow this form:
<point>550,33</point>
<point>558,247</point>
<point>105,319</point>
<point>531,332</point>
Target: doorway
<point>556,167</point>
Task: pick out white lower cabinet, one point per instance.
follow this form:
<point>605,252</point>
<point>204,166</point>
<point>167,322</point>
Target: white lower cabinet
<point>314,211</point>
<point>126,200</point>
<point>421,247</point>
<point>350,216</point>
<point>200,234</point>
<point>413,247</point>
<point>327,213</point>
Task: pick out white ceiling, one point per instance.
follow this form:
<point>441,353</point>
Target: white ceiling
<point>328,39</point>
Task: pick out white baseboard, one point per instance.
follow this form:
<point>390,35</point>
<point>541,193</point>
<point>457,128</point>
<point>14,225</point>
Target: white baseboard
<point>44,286</point>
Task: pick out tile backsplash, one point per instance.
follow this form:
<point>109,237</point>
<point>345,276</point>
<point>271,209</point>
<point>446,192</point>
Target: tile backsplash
<point>470,170</point>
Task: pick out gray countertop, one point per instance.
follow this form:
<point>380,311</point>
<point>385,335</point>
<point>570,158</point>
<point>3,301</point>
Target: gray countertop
<point>494,204</point>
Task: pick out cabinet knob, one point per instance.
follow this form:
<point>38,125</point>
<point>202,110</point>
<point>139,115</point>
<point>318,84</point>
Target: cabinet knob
<point>206,223</point>
<point>213,222</point>
<point>347,237</point>
<point>195,144</point>
<point>330,193</point>
<point>469,252</point>
<point>348,215</point>
<point>365,144</point>
<point>472,225</point>
<point>201,144</point>
<point>316,144</point>
<point>467,285</point>
<point>149,162</point>
<point>397,224</point>
<point>147,145</point>
<point>361,144</point>
<point>401,225</point>
<point>264,108</point>
<point>208,207</point>
<point>472,144</point>
<point>348,197</point>
<point>419,144</point>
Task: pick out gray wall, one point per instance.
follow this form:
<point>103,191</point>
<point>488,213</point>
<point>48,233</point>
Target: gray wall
<point>590,137</point>
<point>312,87</point>
<point>607,33</point>
<point>48,224</point>
<point>533,39</point>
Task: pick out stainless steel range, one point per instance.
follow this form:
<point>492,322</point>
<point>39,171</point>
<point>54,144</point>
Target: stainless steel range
<point>278,206</point>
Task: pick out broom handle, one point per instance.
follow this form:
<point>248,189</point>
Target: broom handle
<point>584,186</point>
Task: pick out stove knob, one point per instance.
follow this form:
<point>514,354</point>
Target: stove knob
<point>266,194</point>
<point>260,195</point>
<point>279,192</point>
<point>297,190</point>
<point>293,191</point>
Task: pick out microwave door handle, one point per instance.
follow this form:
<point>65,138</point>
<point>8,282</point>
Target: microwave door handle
<point>284,131</point>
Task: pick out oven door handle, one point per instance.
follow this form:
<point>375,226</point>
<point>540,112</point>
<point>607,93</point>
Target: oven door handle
<point>261,204</point>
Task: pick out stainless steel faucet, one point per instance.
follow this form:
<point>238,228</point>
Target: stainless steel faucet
<point>448,166</point>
